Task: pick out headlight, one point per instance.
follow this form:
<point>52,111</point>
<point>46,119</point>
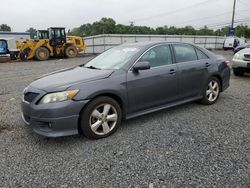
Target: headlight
<point>58,97</point>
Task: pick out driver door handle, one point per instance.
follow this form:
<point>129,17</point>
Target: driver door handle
<point>208,64</point>
<point>172,71</point>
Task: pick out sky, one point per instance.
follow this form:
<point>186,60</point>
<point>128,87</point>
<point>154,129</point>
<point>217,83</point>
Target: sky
<point>41,14</point>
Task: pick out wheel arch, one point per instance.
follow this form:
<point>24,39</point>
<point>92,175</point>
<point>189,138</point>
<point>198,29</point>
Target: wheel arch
<point>43,46</point>
<point>114,96</point>
<point>220,79</point>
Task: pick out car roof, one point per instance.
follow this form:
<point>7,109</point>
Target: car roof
<point>149,44</point>
<point>153,43</point>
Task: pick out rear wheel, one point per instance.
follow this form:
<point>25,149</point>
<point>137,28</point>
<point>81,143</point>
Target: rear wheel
<point>238,72</point>
<point>71,51</point>
<point>100,118</point>
<point>42,54</point>
<point>212,91</point>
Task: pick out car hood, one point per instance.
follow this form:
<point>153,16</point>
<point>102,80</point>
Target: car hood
<point>244,51</point>
<point>61,80</point>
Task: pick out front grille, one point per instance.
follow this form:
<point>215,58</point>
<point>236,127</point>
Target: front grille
<point>30,96</point>
<point>247,56</point>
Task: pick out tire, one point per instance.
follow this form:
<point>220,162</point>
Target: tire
<point>95,115</point>
<point>71,52</point>
<point>238,72</point>
<point>25,54</point>
<point>13,56</point>
<point>212,92</point>
<point>42,54</point>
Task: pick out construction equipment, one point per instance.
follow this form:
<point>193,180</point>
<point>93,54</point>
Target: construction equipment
<point>51,43</point>
<point>42,34</point>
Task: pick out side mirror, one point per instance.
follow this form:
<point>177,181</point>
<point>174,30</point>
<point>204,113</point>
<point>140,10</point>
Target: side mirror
<point>143,65</point>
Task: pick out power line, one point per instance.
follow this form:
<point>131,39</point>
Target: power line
<point>174,11</point>
<point>221,24</point>
<point>214,16</point>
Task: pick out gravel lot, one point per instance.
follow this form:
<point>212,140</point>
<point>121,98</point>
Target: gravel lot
<point>186,146</point>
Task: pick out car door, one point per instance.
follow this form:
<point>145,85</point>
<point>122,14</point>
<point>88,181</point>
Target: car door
<point>155,86</point>
<point>192,70</point>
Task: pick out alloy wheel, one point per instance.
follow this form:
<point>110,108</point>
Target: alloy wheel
<point>213,90</point>
<point>103,119</point>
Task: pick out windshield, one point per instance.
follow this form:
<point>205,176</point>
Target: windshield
<point>114,58</point>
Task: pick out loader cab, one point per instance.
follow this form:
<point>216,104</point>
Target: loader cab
<point>42,34</point>
<point>57,36</point>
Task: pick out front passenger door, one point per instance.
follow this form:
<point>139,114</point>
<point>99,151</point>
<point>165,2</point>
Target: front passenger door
<point>155,86</point>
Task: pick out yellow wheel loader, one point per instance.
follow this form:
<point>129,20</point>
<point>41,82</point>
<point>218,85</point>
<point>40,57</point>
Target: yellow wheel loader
<point>51,43</point>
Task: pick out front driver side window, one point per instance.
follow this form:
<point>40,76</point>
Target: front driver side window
<point>158,56</point>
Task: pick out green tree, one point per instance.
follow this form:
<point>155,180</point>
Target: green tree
<point>205,31</point>
<point>5,27</point>
<point>221,32</point>
<point>160,31</point>
<point>32,32</point>
<point>109,26</point>
<point>243,31</point>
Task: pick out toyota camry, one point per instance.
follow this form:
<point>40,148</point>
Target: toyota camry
<point>122,83</point>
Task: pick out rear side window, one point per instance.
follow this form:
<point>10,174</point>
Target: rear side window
<point>184,53</point>
<point>201,55</point>
<point>158,56</point>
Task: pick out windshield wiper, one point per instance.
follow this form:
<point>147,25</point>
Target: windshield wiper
<point>92,67</point>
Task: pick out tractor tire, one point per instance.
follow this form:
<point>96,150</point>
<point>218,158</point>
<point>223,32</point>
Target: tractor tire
<point>25,54</point>
<point>12,56</point>
<point>71,52</point>
<point>42,54</point>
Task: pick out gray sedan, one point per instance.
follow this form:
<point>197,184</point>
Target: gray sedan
<point>122,83</point>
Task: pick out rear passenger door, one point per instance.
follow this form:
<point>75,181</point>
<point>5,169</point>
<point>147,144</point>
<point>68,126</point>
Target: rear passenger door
<point>192,65</point>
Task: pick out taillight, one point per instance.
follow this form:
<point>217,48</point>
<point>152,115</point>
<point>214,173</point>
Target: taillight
<point>227,62</point>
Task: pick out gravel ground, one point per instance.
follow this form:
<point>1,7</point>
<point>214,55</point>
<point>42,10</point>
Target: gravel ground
<point>186,146</point>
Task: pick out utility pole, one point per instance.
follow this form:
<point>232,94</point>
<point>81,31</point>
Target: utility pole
<point>232,26</point>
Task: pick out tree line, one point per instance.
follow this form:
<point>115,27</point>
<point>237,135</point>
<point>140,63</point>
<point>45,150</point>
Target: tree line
<point>109,26</point>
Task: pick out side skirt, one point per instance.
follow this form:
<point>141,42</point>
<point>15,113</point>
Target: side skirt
<point>162,107</point>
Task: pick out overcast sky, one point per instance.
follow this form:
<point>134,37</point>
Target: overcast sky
<point>40,14</point>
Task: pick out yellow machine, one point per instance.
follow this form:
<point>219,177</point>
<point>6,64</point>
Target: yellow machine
<point>51,43</point>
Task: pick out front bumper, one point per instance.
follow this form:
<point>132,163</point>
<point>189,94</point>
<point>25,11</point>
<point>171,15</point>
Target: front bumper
<point>240,63</point>
<point>52,120</point>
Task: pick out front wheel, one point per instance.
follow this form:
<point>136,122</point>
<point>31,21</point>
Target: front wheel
<point>71,52</point>
<point>212,91</point>
<point>42,54</point>
<point>100,118</point>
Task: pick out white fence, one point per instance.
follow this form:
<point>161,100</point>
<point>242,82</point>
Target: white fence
<point>100,43</point>
<point>20,36</point>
